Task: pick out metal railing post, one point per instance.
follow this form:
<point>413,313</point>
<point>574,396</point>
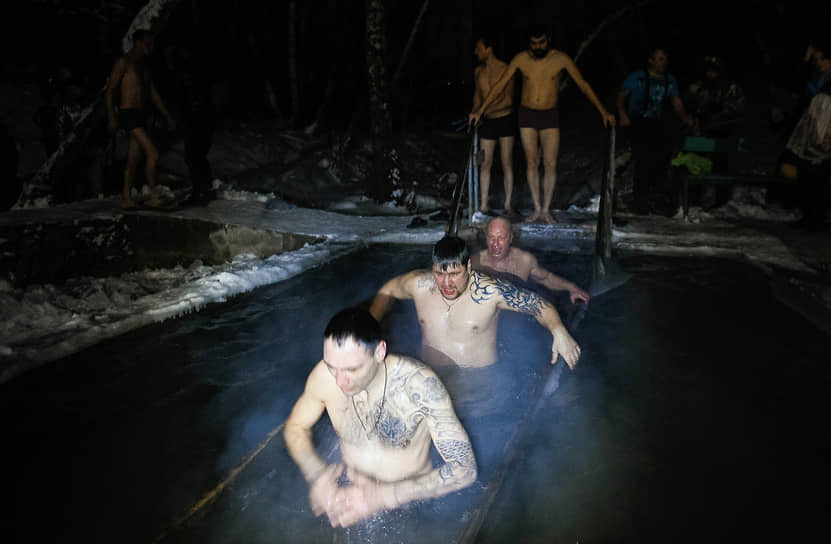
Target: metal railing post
<point>474,205</point>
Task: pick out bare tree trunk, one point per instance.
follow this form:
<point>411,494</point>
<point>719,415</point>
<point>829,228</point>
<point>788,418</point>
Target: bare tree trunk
<point>322,113</point>
<point>380,120</point>
<point>404,54</point>
<point>293,83</point>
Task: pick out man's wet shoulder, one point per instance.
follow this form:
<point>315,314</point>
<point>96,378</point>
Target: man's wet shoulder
<point>424,279</point>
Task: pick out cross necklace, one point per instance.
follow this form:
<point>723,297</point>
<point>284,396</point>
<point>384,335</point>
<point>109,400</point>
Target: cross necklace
<point>380,408</point>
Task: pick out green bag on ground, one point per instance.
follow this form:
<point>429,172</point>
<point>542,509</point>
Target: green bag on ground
<point>696,164</point>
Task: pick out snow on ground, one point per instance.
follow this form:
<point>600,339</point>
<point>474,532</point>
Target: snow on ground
<point>44,322</point>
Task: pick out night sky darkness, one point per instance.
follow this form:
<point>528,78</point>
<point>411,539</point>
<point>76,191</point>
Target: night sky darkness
<point>246,42</point>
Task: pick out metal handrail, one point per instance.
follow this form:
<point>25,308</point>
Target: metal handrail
<point>452,225</point>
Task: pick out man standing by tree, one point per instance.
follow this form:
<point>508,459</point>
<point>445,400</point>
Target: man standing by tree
<point>131,76</point>
<point>539,118</point>
<point>499,123</point>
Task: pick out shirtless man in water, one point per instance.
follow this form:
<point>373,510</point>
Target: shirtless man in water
<point>501,256</point>
<point>386,410</point>
<point>131,76</point>
<point>539,118</point>
<point>457,309</point>
<point>499,123</point>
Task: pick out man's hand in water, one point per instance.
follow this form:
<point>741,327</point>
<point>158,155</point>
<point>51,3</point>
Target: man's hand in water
<point>565,346</point>
<point>575,294</point>
<point>362,499</point>
<point>323,490</point>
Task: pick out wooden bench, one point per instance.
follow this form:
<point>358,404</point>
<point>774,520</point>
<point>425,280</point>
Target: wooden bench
<point>736,161</point>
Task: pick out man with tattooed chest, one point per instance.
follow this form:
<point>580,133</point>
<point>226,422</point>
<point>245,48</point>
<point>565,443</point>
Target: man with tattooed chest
<point>387,410</point>
<point>457,309</point>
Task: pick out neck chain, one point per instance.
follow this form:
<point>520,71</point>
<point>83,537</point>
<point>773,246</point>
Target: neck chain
<point>380,408</point>
<point>455,300</point>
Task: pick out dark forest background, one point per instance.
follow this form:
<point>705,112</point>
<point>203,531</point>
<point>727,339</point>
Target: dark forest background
<point>294,64</point>
<point>247,43</point>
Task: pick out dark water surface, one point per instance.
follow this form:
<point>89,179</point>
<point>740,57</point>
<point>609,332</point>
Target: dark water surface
<point>696,413</point>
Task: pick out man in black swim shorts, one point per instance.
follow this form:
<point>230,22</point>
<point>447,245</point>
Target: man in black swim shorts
<point>499,123</point>
<point>131,76</point>
<point>542,70</point>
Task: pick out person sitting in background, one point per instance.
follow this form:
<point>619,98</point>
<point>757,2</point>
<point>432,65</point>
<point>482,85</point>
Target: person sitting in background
<point>809,147</point>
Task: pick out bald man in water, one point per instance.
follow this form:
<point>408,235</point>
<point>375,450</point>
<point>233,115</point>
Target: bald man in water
<point>539,118</point>
<point>501,257</point>
<point>387,410</point>
<point>457,309</point>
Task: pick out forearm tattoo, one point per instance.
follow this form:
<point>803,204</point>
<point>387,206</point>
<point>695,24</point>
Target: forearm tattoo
<point>429,403</point>
<point>484,288</point>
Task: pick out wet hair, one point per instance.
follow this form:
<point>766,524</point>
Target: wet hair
<point>450,252</point>
<point>140,34</point>
<point>357,324</point>
<point>538,29</point>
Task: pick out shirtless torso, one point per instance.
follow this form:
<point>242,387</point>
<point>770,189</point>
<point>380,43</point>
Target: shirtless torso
<point>517,263</point>
<point>462,330</point>
<point>541,78</point>
<point>399,448</point>
<point>134,82</point>
<point>130,77</point>
<point>387,411</point>
<point>541,70</point>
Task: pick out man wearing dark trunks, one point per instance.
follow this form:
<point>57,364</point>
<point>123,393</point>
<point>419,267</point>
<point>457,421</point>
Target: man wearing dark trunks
<point>541,70</point>
<point>131,76</point>
<point>499,123</point>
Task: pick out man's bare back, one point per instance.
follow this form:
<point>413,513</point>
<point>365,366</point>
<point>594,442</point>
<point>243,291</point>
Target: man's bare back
<point>486,75</point>
<point>133,83</point>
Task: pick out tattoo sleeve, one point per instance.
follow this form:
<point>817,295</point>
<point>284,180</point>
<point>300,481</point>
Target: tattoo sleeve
<point>449,437</point>
<point>484,288</point>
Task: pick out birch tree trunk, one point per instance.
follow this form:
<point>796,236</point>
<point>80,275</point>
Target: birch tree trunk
<point>380,120</point>
<point>293,83</point>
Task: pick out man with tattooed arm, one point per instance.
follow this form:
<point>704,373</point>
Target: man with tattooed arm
<point>458,307</point>
<point>387,410</point>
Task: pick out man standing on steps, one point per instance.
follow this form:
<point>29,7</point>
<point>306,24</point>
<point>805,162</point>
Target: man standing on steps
<point>131,76</point>
<point>538,114</point>
<point>499,123</point>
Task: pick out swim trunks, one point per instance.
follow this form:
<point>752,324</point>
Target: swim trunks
<point>539,119</point>
<point>498,127</point>
<point>131,118</point>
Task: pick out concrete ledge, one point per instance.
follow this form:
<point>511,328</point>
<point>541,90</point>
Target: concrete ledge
<point>37,253</point>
